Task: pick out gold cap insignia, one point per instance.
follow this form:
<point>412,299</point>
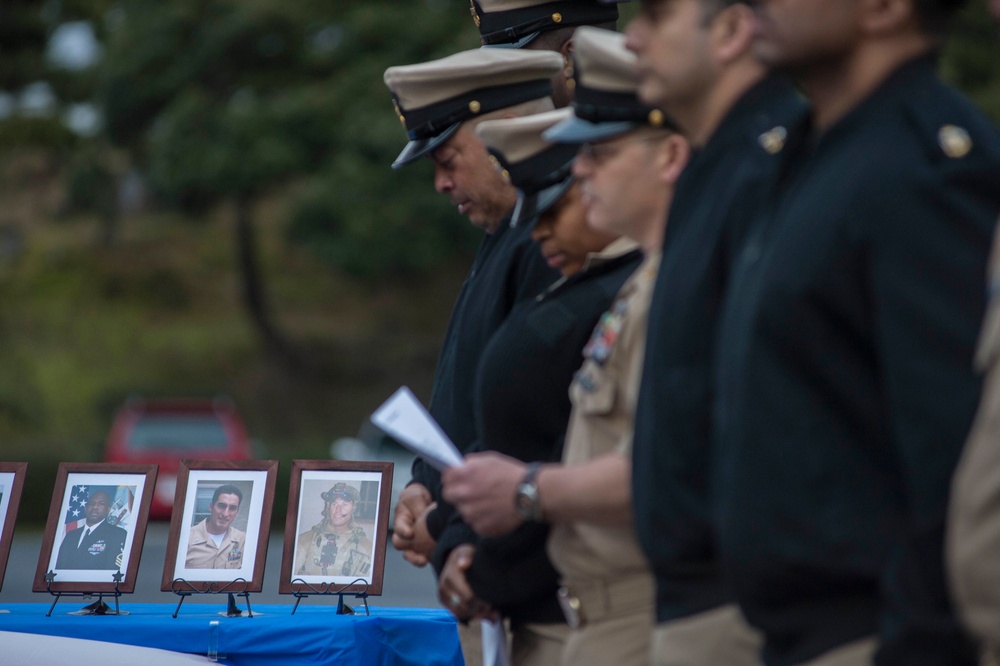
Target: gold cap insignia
<point>773,140</point>
<point>475,16</point>
<point>475,106</point>
<point>496,163</point>
<point>399,113</point>
<point>955,141</point>
<point>557,18</point>
<point>655,118</point>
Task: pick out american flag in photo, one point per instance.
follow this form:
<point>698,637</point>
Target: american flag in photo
<point>75,515</point>
<point>122,498</point>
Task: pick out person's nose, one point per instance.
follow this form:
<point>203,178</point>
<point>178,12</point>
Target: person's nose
<point>443,182</point>
<point>635,34</point>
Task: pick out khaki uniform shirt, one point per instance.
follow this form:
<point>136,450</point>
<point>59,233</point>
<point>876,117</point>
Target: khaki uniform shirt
<point>604,393</point>
<point>323,552</point>
<point>202,553</point>
<point>973,544</point>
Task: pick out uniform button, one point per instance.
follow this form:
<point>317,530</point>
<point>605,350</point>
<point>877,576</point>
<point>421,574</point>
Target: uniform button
<point>751,254</point>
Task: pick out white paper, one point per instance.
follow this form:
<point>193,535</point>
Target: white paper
<point>404,418</point>
<point>494,644</point>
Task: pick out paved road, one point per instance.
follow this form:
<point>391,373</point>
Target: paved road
<point>403,585</point>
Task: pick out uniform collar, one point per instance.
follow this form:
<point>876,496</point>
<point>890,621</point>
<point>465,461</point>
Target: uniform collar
<point>616,249</point>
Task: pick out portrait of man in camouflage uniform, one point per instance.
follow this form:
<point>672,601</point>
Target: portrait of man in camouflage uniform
<point>336,546</point>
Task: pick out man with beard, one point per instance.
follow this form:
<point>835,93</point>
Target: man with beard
<point>696,63</point>
<point>845,384</point>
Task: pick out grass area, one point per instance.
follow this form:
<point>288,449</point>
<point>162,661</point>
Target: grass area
<point>158,312</point>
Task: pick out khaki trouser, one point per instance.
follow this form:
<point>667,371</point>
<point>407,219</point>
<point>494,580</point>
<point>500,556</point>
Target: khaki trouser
<point>537,644</point>
<point>527,644</point>
<point>718,636</point>
<point>856,653</point>
<point>470,636</point>
<point>617,622</point>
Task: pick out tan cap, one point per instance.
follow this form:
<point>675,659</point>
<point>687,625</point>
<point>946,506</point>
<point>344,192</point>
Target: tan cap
<point>539,169</point>
<point>433,98</point>
<point>605,103</point>
<point>516,23</point>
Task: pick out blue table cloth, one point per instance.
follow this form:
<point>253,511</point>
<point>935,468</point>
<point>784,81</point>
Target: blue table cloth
<point>314,635</point>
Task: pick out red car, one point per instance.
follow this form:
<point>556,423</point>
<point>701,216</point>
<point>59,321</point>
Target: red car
<point>166,431</point>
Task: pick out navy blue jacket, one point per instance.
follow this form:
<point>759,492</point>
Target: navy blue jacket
<point>522,410</point>
<point>508,268</point>
<point>721,186</point>
<point>99,550</point>
<point>845,381</point>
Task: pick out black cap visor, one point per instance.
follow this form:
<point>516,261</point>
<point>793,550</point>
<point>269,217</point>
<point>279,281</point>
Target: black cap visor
<point>531,206</point>
<point>578,130</point>
<point>417,148</point>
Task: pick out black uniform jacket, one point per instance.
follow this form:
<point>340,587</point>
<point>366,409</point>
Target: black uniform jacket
<point>522,410</point>
<point>722,185</point>
<point>99,550</point>
<point>845,383</point>
<point>508,268</point>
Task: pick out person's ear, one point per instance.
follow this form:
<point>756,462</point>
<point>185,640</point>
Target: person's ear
<point>732,32</point>
<point>672,157</point>
<point>880,17</point>
<point>566,51</point>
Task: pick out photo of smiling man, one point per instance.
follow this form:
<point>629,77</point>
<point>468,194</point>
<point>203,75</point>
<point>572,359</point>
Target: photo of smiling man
<point>98,543</point>
<point>215,542</point>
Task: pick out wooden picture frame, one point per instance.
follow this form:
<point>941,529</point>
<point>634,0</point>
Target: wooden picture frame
<point>310,535</point>
<point>11,485</point>
<point>234,496</point>
<point>94,561</point>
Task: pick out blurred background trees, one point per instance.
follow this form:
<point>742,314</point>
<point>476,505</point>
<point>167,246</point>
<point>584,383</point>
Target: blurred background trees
<point>197,200</point>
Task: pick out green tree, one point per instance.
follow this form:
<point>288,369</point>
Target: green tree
<point>227,101</point>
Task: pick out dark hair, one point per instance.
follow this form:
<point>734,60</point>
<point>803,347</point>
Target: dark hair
<point>553,40</point>
<point>711,8</point>
<point>227,489</point>
<point>935,16</point>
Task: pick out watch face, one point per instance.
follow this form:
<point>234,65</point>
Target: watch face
<point>526,500</point>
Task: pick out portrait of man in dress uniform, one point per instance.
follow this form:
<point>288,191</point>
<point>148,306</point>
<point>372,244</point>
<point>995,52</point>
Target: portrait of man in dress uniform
<point>97,544</point>
<point>215,543</point>
<point>336,546</point>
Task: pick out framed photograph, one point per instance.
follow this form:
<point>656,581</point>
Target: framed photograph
<point>219,526</point>
<point>96,525</point>
<point>11,484</point>
<point>336,527</point>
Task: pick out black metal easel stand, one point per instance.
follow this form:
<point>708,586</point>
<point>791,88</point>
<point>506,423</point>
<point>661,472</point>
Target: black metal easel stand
<point>98,607</point>
<point>232,610</point>
<point>326,590</point>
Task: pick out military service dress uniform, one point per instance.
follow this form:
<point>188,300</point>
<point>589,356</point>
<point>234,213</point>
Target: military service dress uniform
<point>522,390</point>
<point>723,183</point>
<point>98,547</point>
<point>845,387</point>
<point>433,99</point>
<point>202,553</point>
<point>607,588</point>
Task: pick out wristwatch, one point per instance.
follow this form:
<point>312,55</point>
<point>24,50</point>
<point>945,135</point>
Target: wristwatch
<point>526,502</point>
